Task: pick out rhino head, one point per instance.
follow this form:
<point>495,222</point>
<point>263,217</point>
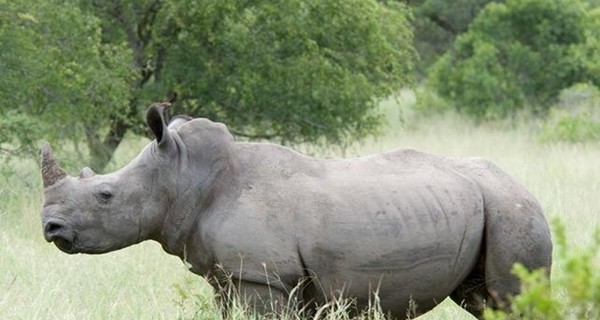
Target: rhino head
<point>97,213</point>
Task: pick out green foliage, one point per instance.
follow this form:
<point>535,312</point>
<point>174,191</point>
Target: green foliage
<point>56,72</point>
<point>588,54</point>
<point>297,71</point>
<point>572,128</point>
<point>437,23</point>
<point>193,304</point>
<point>54,60</point>
<point>18,133</point>
<point>429,102</point>
<point>575,290</point>
<point>576,118</point>
<point>517,54</point>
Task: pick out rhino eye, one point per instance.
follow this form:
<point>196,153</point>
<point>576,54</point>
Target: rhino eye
<point>104,194</point>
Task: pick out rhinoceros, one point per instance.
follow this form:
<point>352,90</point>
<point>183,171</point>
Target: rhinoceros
<point>408,227</point>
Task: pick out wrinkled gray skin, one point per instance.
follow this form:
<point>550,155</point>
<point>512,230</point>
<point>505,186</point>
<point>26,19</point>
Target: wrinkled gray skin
<point>402,224</point>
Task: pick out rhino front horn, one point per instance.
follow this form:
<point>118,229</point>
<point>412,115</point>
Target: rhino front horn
<point>51,171</point>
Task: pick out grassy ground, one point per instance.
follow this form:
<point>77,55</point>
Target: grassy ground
<point>37,281</point>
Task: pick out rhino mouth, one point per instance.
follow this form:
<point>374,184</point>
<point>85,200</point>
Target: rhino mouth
<point>64,245</point>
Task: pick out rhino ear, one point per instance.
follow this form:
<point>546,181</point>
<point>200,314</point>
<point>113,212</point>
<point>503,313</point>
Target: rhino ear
<point>155,118</point>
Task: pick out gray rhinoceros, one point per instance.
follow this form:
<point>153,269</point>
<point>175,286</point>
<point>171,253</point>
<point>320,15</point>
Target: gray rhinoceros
<point>409,227</point>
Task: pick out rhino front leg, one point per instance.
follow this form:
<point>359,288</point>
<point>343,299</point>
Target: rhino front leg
<point>256,297</point>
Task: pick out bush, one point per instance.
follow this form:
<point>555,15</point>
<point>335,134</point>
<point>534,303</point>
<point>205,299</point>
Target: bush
<point>576,285</point>
<point>576,118</point>
<point>516,54</point>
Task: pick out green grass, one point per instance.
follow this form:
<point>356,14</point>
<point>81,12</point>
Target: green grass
<point>37,281</point>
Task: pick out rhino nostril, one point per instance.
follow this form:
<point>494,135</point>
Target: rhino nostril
<point>60,233</point>
<point>55,229</point>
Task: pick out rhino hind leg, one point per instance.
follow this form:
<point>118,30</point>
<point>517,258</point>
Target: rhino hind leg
<point>513,234</point>
<point>515,231</point>
<point>509,238</point>
<point>472,294</point>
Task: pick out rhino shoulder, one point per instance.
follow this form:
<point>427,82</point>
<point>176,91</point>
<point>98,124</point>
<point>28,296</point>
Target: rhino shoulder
<point>201,131</point>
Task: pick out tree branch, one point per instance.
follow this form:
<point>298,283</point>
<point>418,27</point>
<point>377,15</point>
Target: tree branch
<point>144,27</point>
<point>170,32</point>
<point>253,136</point>
<point>435,18</point>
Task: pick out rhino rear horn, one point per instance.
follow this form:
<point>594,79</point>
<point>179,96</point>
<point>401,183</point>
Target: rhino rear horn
<point>51,171</point>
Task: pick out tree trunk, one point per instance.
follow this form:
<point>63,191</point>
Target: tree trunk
<point>139,35</point>
<point>101,151</point>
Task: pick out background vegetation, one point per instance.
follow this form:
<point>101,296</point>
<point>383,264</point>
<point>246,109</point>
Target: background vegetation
<point>514,81</point>
<point>293,70</point>
<point>519,54</point>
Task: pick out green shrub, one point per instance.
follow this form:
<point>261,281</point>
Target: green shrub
<point>563,126</point>
<point>195,305</point>
<point>517,54</point>
<point>429,102</point>
<point>576,118</point>
<point>575,292</point>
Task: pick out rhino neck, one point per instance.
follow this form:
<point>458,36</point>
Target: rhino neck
<point>199,188</point>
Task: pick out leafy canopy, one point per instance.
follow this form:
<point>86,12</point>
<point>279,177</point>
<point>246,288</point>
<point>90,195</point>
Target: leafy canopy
<point>437,23</point>
<point>296,70</point>
<point>55,73</point>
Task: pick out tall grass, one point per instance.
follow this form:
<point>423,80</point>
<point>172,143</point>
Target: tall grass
<point>37,281</point>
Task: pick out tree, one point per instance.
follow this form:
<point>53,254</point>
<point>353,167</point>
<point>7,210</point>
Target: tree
<point>437,23</point>
<point>295,71</point>
<point>55,70</point>
<point>517,54</point>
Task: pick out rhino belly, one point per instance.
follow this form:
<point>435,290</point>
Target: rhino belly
<point>426,273</point>
<point>420,247</point>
